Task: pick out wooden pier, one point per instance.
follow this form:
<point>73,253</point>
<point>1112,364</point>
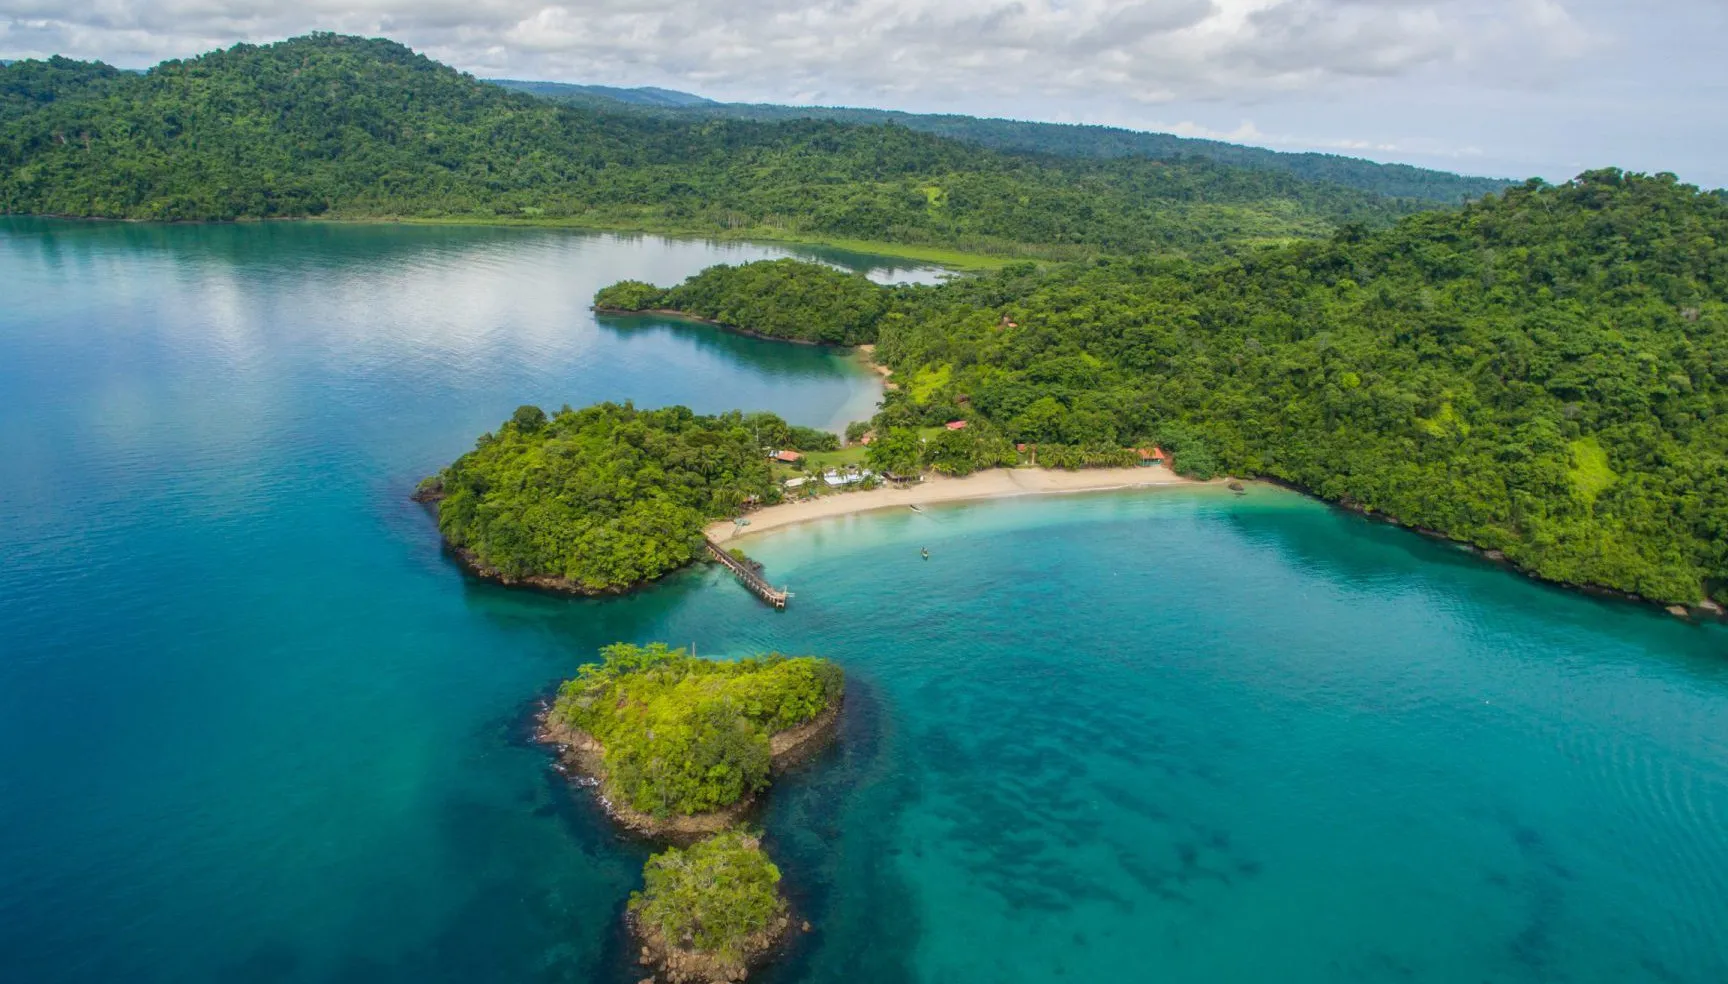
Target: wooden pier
<point>747,574</point>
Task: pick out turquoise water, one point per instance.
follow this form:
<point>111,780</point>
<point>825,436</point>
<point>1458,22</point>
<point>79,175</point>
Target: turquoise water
<point>257,728</point>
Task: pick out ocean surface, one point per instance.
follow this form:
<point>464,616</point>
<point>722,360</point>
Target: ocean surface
<point>255,727</point>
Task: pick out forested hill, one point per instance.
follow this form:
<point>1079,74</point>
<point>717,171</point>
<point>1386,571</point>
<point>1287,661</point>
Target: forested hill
<point>644,95</point>
<point>27,86</point>
<point>332,125</point>
<point>1544,373</point>
<point>1063,139</point>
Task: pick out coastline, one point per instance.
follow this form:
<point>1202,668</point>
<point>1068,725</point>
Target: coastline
<point>996,483</point>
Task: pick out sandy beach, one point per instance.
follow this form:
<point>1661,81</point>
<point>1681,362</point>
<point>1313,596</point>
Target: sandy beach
<point>993,484</point>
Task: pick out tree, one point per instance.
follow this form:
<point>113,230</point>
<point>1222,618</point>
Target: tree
<point>528,418</point>
<point>896,451</point>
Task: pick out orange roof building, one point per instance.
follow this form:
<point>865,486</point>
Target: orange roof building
<point>955,425</point>
<point>790,457</point>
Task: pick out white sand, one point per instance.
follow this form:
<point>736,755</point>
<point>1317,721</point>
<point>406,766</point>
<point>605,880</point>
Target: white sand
<point>992,484</point>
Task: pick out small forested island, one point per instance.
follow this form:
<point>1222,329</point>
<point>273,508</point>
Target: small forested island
<point>605,498</point>
<point>680,745</point>
<point>708,911</point>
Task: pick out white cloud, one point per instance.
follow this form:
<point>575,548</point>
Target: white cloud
<point>1150,51</point>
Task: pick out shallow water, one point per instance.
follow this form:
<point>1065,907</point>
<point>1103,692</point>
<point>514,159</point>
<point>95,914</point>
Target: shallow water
<point>259,729</point>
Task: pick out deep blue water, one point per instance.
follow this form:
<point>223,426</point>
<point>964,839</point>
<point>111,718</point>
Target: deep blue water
<point>257,728</point>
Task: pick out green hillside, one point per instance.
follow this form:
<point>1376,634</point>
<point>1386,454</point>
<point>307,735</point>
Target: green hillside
<point>645,95</point>
<point>1062,139</point>
<point>349,127</point>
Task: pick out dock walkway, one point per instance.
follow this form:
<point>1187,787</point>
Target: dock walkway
<point>747,574</point>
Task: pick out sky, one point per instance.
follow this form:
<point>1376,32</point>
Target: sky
<point>1507,88</point>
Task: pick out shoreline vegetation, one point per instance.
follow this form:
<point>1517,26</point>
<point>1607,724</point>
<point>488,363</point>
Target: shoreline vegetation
<point>679,749</point>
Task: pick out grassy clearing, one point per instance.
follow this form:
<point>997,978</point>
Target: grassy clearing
<point>822,461</point>
<point>1590,473</point>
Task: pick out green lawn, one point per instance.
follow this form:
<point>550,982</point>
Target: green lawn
<point>823,460</point>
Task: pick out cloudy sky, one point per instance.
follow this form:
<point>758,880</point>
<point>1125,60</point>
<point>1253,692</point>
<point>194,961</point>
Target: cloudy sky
<point>1503,87</point>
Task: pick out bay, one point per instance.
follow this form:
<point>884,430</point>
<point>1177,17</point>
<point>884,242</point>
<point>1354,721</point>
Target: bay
<point>257,728</point>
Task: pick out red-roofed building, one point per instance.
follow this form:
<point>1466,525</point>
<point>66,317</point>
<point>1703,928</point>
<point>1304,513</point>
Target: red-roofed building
<point>790,457</point>
<point>955,425</point>
<point>1153,456</point>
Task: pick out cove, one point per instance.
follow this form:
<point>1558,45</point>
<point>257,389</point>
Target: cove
<point>258,728</point>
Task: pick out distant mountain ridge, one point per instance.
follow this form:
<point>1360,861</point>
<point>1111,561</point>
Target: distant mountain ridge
<point>1061,139</point>
<point>367,128</point>
<point>642,95</point>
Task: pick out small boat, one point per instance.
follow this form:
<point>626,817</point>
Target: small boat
<point>925,552</point>
<point>913,508</point>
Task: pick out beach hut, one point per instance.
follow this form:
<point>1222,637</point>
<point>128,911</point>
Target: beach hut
<point>1152,456</point>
